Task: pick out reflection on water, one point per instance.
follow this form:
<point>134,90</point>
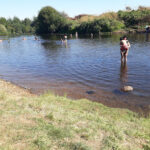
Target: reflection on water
<point>78,65</point>
<point>123,73</point>
<point>52,45</point>
<point>148,37</point>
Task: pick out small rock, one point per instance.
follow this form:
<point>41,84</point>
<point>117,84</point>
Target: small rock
<point>127,88</point>
<point>90,92</point>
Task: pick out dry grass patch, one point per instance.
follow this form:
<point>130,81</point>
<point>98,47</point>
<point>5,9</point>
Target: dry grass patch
<point>58,123</point>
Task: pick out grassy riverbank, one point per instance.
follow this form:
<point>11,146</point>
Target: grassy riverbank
<point>58,123</point>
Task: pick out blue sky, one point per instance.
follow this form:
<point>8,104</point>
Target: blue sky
<point>30,8</point>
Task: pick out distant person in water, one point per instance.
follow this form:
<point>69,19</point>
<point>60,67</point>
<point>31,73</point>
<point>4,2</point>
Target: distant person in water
<point>35,38</point>
<point>64,40</point>
<point>24,38</point>
<point>124,48</point>
<point>65,37</point>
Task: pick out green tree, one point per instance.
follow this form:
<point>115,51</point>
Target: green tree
<point>3,21</point>
<point>3,30</point>
<point>50,21</point>
<point>26,26</point>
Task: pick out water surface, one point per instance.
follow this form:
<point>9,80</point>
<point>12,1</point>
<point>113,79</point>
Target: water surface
<point>82,68</point>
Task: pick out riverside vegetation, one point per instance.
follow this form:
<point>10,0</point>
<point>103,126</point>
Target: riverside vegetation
<point>52,122</point>
<point>50,21</point>
<point>16,26</point>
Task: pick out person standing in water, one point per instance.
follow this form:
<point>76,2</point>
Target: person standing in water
<point>124,48</point>
<point>64,39</point>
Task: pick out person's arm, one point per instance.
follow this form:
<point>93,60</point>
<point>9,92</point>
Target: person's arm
<point>128,44</point>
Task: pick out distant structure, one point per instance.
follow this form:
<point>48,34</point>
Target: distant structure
<point>128,8</point>
<point>70,18</point>
<point>81,15</point>
<point>91,35</point>
<point>76,34</point>
<point>99,33</point>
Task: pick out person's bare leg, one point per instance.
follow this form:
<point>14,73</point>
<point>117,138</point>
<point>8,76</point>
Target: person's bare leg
<point>125,56</point>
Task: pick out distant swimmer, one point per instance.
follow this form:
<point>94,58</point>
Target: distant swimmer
<point>24,38</point>
<point>1,41</point>
<point>36,38</point>
<point>76,34</point>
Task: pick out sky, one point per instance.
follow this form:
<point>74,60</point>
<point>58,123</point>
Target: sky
<point>30,8</point>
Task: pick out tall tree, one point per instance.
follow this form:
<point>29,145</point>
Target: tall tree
<point>50,21</point>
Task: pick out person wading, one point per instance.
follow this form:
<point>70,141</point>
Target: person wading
<point>124,48</point>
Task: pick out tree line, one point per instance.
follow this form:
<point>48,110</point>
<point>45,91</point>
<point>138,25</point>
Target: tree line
<point>49,20</point>
<point>16,26</point>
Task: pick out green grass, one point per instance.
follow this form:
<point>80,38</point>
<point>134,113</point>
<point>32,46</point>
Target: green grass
<point>50,122</point>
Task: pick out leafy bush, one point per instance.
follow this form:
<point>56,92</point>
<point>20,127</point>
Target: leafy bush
<point>17,26</point>
<point>100,25</point>
<point>134,17</point>
<point>3,30</point>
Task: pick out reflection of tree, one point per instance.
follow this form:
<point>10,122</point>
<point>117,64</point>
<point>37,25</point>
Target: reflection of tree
<point>50,37</point>
<point>51,45</point>
<point>148,37</point>
<point>52,52</point>
<point>123,73</point>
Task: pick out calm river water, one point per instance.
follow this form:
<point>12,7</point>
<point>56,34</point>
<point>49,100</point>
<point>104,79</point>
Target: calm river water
<point>82,68</point>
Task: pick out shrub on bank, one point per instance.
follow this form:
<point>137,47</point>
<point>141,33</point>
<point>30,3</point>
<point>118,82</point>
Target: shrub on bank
<point>135,17</point>
<point>100,25</point>
<point>16,26</point>
<point>3,30</point>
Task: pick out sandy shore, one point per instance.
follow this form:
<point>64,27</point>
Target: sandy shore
<point>12,89</point>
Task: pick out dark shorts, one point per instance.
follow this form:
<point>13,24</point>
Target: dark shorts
<point>124,51</point>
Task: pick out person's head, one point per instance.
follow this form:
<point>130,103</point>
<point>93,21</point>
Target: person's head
<point>124,38</point>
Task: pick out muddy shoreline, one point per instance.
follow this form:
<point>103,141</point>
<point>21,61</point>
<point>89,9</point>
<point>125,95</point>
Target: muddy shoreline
<point>110,99</point>
<point>115,99</point>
